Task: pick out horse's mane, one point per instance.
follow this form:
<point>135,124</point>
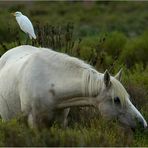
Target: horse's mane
<point>91,82</point>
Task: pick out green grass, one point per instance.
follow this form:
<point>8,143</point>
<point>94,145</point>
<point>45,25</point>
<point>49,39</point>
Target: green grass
<point>95,132</point>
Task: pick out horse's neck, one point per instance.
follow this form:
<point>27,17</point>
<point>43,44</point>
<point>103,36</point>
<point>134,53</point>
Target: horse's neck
<point>81,88</point>
<point>70,84</point>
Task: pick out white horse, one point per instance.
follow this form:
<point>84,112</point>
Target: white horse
<point>38,81</point>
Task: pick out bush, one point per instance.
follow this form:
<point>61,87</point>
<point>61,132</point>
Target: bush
<point>114,43</point>
<point>136,51</point>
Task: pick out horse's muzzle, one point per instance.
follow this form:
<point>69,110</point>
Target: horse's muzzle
<point>142,123</point>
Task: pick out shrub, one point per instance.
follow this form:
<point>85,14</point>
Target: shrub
<point>114,43</point>
<point>136,51</point>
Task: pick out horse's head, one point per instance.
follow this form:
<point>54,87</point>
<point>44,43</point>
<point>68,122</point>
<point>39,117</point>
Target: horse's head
<point>114,102</point>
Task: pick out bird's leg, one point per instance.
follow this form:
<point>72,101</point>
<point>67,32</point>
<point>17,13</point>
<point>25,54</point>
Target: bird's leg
<point>27,39</point>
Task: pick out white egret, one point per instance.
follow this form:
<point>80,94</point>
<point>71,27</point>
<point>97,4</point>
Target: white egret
<point>25,24</point>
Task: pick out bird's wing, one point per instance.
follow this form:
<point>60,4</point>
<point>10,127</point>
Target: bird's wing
<point>26,25</point>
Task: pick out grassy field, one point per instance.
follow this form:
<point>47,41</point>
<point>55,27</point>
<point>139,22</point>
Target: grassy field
<point>108,35</point>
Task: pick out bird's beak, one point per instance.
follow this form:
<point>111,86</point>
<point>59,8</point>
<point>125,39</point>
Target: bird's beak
<point>13,14</point>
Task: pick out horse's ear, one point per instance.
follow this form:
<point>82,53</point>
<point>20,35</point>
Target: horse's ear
<point>118,76</point>
<point>107,78</point>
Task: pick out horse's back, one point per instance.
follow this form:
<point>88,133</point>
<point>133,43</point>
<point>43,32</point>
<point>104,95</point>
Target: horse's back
<point>17,53</point>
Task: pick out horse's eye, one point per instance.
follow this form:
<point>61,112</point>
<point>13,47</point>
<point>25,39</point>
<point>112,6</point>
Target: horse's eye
<point>117,100</point>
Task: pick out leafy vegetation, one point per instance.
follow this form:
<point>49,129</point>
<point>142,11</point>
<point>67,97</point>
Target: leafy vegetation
<point>108,35</point>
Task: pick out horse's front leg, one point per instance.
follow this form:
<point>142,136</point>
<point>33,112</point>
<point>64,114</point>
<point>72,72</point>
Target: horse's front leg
<point>61,117</point>
<point>39,118</point>
<point>65,117</point>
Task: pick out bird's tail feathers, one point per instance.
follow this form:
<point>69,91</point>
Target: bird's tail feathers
<point>32,36</point>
